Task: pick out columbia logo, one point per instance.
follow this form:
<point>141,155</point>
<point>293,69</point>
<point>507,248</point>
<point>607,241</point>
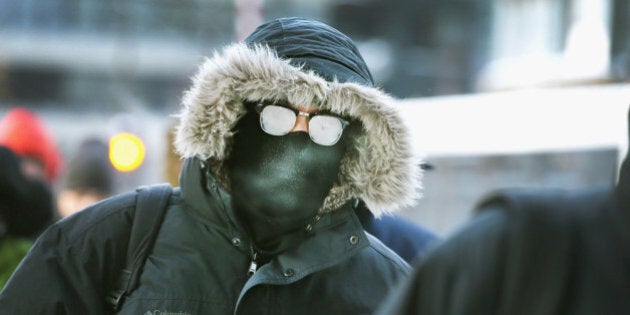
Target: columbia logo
<point>159,312</point>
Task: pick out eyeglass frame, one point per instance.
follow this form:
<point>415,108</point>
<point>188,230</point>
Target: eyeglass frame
<point>344,123</point>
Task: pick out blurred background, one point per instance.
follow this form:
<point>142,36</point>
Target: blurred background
<point>499,93</point>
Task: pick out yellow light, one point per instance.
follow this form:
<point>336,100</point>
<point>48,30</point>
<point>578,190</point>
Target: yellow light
<point>126,152</point>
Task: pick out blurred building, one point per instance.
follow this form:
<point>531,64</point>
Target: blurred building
<point>554,137</point>
<point>92,53</point>
<point>104,54</point>
<point>420,48</point>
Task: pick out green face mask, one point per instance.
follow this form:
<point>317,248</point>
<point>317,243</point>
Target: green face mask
<point>279,182</point>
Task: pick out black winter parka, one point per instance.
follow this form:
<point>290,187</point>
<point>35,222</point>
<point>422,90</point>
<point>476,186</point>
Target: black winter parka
<point>202,255</point>
<point>200,263</point>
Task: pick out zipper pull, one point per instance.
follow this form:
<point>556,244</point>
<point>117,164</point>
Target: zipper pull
<point>252,266</point>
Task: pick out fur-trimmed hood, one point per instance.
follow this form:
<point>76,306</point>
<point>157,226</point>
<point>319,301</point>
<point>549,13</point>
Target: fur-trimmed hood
<point>379,168</point>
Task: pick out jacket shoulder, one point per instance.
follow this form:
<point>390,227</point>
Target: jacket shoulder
<point>74,262</point>
<point>546,202</point>
<point>384,253</point>
<point>111,218</point>
<point>105,218</point>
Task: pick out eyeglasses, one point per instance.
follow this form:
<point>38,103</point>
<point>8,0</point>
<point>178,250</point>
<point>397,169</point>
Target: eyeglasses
<point>278,120</point>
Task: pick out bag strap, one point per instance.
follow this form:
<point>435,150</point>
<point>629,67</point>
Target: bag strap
<point>151,204</point>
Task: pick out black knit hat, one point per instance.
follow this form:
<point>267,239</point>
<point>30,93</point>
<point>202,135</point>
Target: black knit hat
<point>89,168</point>
<point>314,46</point>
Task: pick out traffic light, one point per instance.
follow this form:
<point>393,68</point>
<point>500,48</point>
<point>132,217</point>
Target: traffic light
<point>126,152</point>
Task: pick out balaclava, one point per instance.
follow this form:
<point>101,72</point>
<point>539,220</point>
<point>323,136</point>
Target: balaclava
<point>279,182</point>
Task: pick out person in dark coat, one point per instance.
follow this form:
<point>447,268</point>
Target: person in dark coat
<point>280,136</point>
<point>530,251</point>
<point>26,208</point>
<point>29,181</point>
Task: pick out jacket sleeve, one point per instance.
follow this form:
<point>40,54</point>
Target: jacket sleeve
<point>520,247</point>
<point>72,264</point>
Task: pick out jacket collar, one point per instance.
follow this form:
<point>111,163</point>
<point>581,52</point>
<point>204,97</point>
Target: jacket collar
<point>330,238</point>
<point>207,199</point>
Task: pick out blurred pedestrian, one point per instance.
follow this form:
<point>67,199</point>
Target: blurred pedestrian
<point>27,135</point>
<point>281,136</point>
<point>531,251</point>
<point>25,205</point>
<point>88,178</point>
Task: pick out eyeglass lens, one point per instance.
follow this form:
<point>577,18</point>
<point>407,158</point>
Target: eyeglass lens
<point>323,129</point>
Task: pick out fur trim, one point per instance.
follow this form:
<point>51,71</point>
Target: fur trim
<point>380,168</point>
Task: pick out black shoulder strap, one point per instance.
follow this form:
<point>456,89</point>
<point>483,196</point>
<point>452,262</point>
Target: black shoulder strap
<point>151,204</point>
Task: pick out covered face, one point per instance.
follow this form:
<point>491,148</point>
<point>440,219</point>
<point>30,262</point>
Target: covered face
<point>297,63</point>
<point>279,182</point>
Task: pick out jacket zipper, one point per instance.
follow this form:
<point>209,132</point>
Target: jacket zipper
<point>253,265</point>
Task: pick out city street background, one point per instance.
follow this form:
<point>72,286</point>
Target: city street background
<point>499,93</point>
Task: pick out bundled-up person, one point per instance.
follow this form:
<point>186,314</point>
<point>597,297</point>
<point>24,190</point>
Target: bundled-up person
<point>282,136</point>
<point>89,177</point>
